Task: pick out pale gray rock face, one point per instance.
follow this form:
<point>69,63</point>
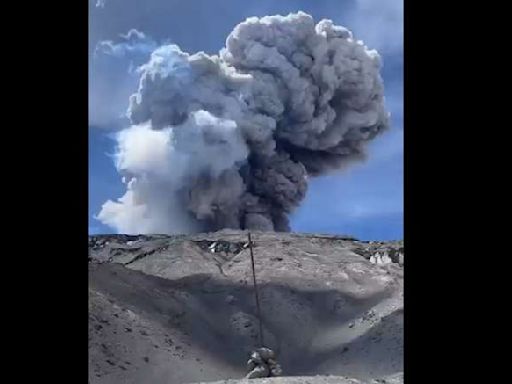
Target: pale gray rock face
<point>165,309</point>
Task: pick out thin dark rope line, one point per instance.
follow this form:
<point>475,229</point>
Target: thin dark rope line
<point>256,291</point>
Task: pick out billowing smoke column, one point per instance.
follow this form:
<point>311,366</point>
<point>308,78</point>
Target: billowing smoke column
<point>228,141</point>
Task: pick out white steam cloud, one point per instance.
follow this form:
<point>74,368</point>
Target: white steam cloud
<point>228,141</point>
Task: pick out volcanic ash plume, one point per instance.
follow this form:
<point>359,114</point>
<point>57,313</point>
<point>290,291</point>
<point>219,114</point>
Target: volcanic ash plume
<point>228,141</point>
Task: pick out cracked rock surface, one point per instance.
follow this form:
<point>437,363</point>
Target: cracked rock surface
<point>180,309</point>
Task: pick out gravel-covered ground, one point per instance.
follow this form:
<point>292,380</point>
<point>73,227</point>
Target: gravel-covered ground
<point>180,309</point>
<point>395,379</point>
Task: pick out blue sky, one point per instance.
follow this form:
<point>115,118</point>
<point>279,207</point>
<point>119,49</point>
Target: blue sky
<point>365,200</point>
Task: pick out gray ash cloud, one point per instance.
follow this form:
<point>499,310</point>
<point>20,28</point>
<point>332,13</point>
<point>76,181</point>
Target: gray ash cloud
<point>229,140</point>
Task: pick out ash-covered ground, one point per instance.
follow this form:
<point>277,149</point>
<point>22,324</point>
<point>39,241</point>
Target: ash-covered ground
<point>181,309</point>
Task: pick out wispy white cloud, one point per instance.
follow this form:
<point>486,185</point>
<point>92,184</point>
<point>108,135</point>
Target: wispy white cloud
<point>132,43</point>
<point>113,76</point>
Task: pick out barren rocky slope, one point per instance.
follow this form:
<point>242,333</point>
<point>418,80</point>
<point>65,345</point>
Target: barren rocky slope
<point>394,379</point>
<point>180,309</point>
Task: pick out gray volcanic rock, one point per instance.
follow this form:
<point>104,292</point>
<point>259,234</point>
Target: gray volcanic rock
<point>395,379</point>
<point>181,309</point>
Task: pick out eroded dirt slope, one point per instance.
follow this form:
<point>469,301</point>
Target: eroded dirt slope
<point>180,309</point>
